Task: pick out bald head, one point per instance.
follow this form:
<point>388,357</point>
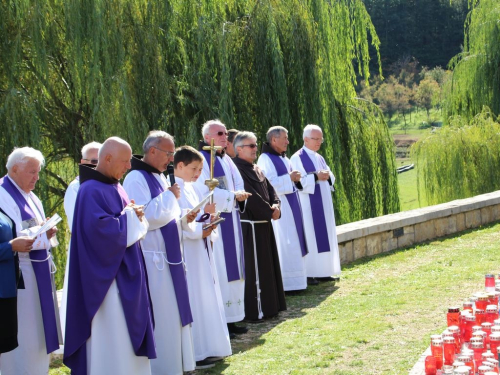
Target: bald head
<point>114,158</point>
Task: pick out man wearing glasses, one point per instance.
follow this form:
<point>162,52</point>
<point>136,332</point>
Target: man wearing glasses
<point>162,251</point>
<point>229,198</point>
<point>322,262</point>
<point>264,294</point>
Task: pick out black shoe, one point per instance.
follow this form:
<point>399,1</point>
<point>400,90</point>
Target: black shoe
<point>233,328</point>
<point>325,279</point>
<point>200,365</point>
<point>232,335</point>
<point>214,359</point>
<point>336,279</point>
<point>293,292</point>
<point>312,281</point>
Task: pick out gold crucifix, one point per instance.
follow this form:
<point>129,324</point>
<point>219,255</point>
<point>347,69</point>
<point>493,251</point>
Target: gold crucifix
<point>213,182</point>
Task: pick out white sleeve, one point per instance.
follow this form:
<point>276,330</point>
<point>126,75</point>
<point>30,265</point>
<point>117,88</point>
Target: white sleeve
<point>308,182</point>
<point>136,229</point>
<point>282,184</point>
<point>160,210</point>
<point>70,200</point>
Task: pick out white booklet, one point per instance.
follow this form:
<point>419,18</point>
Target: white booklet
<point>199,205</point>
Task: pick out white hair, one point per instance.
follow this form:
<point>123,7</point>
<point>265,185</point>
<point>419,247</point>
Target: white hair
<point>90,146</point>
<point>309,128</point>
<point>22,155</point>
<point>154,138</point>
<point>205,129</point>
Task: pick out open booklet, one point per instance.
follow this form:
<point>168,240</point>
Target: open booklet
<point>49,224</point>
<point>202,203</point>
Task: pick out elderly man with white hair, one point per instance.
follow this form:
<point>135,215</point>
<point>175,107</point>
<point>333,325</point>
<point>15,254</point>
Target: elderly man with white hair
<point>322,262</point>
<point>39,331</point>
<point>229,198</point>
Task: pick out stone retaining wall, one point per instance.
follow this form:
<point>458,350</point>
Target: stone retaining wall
<point>385,233</point>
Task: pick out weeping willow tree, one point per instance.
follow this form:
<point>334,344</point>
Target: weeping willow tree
<point>463,158</point>
<point>476,71</point>
<point>74,71</point>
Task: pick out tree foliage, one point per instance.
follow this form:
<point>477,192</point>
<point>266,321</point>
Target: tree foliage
<point>476,71</point>
<point>463,159</point>
<point>459,160</point>
<point>74,71</point>
<point>429,30</point>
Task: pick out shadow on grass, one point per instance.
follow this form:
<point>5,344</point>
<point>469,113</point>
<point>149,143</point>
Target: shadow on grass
<point>297,306</point>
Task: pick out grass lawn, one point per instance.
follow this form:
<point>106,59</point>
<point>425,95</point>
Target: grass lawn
<point>377,320</point>
<point>408,192</point>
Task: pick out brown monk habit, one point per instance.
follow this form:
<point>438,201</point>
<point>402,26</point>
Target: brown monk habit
<point>258,208</point>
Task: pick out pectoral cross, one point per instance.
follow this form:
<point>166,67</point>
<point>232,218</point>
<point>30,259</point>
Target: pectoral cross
<point>213,182</point>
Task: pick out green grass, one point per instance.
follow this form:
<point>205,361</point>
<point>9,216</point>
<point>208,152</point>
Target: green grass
<point>408,192</point>
<point>377,320</point>
<point>396,123</point>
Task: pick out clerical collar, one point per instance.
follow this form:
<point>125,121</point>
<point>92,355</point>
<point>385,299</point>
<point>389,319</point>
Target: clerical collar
<point>202,144</point>
<point>140,165</point>
<point>266,148</point>
<point>88,172</point>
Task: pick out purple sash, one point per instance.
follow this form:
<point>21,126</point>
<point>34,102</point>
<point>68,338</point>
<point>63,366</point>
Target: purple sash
<point>293,201</point>
<point>171,238</point>
<point>41,270</point>
<point>317,211</point>
<point>230,255</point>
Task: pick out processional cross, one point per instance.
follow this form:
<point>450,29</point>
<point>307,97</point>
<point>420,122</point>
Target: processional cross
<point>213,182</point>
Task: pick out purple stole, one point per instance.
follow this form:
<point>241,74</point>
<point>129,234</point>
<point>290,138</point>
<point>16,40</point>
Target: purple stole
<point>171,238</point>
<point>293,201</point>
<point>41,270</point>
<point>317,211</point>
<point>232,269</point>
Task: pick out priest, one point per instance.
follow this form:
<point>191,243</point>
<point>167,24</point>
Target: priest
<point>323,261</point>
<point>264,294</point>
<point>109,321</point>
<point>289,230</point>
<point>229,197</point>
<point>163,254</point>
<point>39,331</point>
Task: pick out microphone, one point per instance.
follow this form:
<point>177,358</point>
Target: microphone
<point>170,172</point>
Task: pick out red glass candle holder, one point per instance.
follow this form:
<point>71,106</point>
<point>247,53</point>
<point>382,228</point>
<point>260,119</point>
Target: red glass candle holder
<point>430,365</point>
<point>489,282</point>
<point>453,315</point>
<point>437,352</point>
<point>481,302</point>
<point>449,350</point>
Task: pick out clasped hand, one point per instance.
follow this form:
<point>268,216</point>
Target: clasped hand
<point>242,195</point>
<point>139,210</point>
<point>323,175</point>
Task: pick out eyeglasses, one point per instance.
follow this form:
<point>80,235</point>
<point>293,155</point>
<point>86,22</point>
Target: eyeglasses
<point>220,134</point>
<point>169,154</point>
<point>252,146</point>
<point>92,161</point>
<point>321,140</point>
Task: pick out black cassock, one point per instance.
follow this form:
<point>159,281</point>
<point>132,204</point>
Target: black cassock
<point>258,208</point>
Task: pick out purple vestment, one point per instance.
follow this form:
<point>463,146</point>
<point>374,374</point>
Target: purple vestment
<point>99,255</point>
<point>293,200</point>
<point>40,268</point>
<point>170,235</point>
<point>318,212</point>
<point>228,238</point>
